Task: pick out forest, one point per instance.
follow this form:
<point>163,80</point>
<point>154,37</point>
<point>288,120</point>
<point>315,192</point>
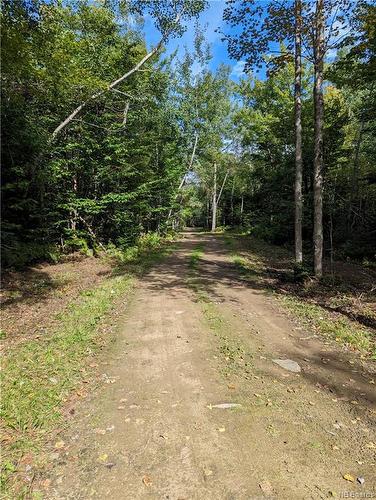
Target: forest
<point>171,145</point>
<point>188,249</point>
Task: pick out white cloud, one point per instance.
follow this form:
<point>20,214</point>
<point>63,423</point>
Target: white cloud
<point>238,69</point>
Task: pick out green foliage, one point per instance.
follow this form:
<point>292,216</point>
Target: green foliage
<point>76,245</point>
<point>21,253</point>
<point>105,179</point>
<point>114,173</point>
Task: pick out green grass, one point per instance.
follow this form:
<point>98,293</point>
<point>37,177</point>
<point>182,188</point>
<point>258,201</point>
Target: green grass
<point>39,375</point>
<point>192,278</point>
<point>249,270</point>
<point>341,329</point>
<point>195,256</point>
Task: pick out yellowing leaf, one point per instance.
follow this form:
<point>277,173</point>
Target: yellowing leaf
<point>103,457</point>
<point>349,477</point>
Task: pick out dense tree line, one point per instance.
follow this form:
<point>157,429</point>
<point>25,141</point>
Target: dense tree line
<point>110,172</point>
<point>103,140</point>
<point>310,123</point>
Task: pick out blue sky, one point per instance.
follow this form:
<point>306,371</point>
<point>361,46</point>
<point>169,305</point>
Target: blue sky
<point>210,19</point>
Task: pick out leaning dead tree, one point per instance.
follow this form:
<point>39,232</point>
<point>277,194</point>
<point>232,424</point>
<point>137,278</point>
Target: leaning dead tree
<point>124,77</point>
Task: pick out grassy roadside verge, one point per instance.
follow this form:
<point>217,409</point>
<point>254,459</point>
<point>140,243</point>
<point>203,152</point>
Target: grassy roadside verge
<point>342,330</point>
<point>311,303</point>
<point>39,376</point>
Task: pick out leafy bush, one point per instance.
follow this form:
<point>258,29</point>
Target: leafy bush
<point>21,254</point>
<point>149,241</point>
<point>76,244</point>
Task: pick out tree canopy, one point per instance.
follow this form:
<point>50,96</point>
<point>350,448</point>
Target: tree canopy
<point>171,145</point>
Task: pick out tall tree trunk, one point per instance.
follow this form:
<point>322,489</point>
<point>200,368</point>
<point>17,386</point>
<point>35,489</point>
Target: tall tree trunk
<point>298,133</point>
<point>355,173</point>
<point>232,201</point>
<point>207,209</point>
<point>74,214</point>
<point>318,147</point>
<point>125,113</point>
<point>214,202</point>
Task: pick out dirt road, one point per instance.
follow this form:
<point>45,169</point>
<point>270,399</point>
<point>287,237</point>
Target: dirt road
<point>195,337</point>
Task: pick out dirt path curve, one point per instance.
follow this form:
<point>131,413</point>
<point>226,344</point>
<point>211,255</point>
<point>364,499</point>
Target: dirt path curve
<point>151,433</point>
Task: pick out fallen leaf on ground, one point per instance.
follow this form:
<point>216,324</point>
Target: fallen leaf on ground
<point>349,477</point>
<point>59,445</point>
<point>103,457</point>
<point>147,480</point>
<point>208,472</point>
<point>221,429</point>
